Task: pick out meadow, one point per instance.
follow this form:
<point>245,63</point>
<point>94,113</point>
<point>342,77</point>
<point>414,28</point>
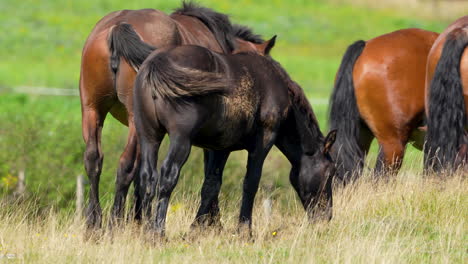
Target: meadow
<point>412,219</point>
<point>408,220</point>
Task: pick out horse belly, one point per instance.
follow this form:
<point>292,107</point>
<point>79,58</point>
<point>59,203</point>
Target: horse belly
<point>225,140</point>
<point>222,133</point>
<point>119,112</point>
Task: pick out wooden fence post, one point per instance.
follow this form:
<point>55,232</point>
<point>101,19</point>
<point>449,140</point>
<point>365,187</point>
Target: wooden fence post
<point>79,194</point>
<point>21,185</point>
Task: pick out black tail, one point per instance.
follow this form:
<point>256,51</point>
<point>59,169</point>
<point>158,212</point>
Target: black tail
<point>447,120</point>
<point>124,42</point>
<point>344,116</point>
<point>174,83</point>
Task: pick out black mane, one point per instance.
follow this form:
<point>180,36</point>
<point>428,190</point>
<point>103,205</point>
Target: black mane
<point>220,25</point>
<point>246,33</point>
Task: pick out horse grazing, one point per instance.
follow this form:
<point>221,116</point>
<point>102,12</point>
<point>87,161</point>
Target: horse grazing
<point>225,103</point>
<point>112,54</point>
<point>447,100</point>
<point>379,92</point>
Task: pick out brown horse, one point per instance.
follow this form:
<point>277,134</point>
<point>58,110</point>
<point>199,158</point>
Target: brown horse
<point>447,99</point>
<point>106,80</point>
<point>379,92</point>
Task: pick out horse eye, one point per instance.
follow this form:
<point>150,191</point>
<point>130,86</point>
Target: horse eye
<point>308,153</point>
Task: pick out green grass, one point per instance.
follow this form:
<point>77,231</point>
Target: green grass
<point>42,43</point>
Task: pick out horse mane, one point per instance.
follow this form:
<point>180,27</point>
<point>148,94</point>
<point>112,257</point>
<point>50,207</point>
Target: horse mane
<point>247,34</point>
<point>300,102</point>
<point>218,23</point>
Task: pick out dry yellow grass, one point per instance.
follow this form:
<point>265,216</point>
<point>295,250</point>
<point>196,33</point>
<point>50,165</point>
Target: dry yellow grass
<point>409,220</point>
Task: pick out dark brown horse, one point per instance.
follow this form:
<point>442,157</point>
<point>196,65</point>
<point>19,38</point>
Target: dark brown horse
<point>379,92</point>
<point>447,99</point>
<point>107,77</point>
<point>225,103</point>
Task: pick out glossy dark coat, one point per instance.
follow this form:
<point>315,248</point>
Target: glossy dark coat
<point>225,103</point>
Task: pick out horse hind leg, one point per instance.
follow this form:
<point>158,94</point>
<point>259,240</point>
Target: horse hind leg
<point>92,123</point>
<point>97,98</point>
<point>390,158</point>
<point>129,161</point>
<point>208,212</point>
<point>147,179</point>
<point>179,150</point>
<point>129,164</point>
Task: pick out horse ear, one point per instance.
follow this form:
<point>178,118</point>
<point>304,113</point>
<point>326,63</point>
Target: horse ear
<point>329,140</point>
<point>269,44</point>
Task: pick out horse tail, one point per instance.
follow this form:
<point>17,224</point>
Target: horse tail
<point>175,83</point>
<point>344,116</point>
<point>447,119</point>
<point>124,42</point>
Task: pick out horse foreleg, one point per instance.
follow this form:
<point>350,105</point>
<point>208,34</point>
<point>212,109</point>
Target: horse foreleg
<point>92,124</point>
<point>208,213</point>
<point>255,162</point>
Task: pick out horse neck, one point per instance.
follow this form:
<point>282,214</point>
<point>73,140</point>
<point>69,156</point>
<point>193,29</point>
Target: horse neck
<point>306,122</point>
<point>307,126</point>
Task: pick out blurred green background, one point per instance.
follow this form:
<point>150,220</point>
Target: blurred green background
<point>41,44</point>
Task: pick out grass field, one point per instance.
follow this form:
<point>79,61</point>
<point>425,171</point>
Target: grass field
<point>412,219</point>
<point>409,220</point>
